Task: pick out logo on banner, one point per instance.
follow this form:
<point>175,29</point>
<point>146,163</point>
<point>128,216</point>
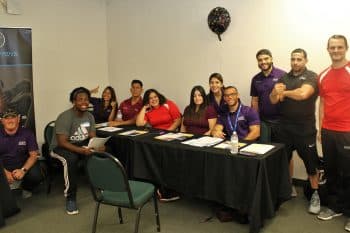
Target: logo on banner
<point>2,40</point>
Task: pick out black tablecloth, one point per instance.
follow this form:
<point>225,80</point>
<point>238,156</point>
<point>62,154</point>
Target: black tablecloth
<point>8,204</point>
<point>254,184</point>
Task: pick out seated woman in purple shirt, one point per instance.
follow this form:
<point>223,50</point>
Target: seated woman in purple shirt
<point>215,96</point>
<point>199,116</point>
<point>106,107</point>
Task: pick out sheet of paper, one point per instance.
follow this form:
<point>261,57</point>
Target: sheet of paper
<point>133,132</point>
<point>173,136</point>
<point>97,142</point>
<point>110,129</point>
<point>256,148</point>
<point>227,145</point>
<point>203,141</point>
<point>99,125</point>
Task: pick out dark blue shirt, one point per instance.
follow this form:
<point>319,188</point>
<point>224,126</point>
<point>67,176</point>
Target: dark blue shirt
<point>14,149</point>
<point>100,114</point>
<point>261,87</point>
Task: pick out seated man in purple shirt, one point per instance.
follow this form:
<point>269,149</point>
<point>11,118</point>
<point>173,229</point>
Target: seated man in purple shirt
<point>237,117</point>
<point>130,107</point>
<point>19,153</point>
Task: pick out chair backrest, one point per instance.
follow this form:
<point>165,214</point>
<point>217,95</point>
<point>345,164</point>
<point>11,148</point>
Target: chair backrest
<point>265,133</point>
<point>105,172</point>
<point>48,132</point>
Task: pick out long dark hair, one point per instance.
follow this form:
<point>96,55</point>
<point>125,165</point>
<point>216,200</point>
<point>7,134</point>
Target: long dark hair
<point>190,111</point>
<point>218,77</point>
<point>162,99</point>
<point>113,98</point>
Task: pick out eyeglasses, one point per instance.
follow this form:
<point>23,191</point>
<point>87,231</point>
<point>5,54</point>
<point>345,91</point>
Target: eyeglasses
<point>231,94</point>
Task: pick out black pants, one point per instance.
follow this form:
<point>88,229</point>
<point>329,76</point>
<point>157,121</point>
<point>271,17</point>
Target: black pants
<point>32,178</point>
<point>336,153</point>
<point>70,163</point>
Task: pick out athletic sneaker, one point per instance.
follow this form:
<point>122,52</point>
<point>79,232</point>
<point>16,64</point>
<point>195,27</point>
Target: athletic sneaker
<point>294,192</point>
<point>71,207</point>
<point>167,195</point>
<point>315,203</point>
<point>328,214</point>
<point>347,225</point>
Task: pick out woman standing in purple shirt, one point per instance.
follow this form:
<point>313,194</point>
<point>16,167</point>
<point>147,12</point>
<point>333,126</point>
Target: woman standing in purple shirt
<point>199,116</point>
<point>215,96</point>
<point>106,107</point>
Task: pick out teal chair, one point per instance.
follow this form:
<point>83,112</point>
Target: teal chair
<point>110,186</point>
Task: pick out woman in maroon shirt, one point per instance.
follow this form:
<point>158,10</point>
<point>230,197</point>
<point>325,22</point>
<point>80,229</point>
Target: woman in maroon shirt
<point>199,116</point>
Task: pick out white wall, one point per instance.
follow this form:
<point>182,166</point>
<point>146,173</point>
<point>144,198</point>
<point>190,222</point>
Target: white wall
<point>69,50</point>
<point>169,46</point>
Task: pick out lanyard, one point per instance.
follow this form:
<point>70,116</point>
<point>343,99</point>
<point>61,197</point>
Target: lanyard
<point>234,128</point>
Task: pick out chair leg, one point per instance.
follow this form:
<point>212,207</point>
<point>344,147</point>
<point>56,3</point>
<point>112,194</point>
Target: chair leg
<point>95,217</point>
<point>155,200</point>
<point>120,215</point>
<point>137,219</point>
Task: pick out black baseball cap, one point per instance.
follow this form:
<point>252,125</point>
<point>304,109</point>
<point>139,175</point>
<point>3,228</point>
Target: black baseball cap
<point>9,113</point>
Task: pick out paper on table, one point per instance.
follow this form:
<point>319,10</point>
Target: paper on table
<point>96,142</point>
<point>203,141</point>
<point>173,136</point>
<point>110,129</point>
<point>101,124</point>
<point>227,145</point>
<point>256,148</point>
<point>133,132</point>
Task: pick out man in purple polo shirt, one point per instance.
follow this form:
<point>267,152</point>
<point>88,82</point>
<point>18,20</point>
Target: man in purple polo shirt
<point>130,107</point>
<point>237,117</point>
<point>19,153</point>
<point>261,87</point>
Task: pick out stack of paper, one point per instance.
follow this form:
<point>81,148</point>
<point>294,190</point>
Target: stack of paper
<point>133,132</point>
<point>227,145</point>
<point>173,136</point>
<point>203,141</point>
<point>110,129</point>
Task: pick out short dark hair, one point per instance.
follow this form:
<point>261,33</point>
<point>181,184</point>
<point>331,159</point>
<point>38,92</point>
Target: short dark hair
<point>299,50</point>
<point>78,90</point>
<point>263,52</point>
<point>338,37</point>
<point>136,81</point>
<point>229,87</point>
<point>161,97</point>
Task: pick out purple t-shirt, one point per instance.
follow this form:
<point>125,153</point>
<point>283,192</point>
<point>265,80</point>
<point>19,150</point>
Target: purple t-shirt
<point>247,117</point>
<point>14,149</point>
<point>261,86</point>
<point>201,125</point>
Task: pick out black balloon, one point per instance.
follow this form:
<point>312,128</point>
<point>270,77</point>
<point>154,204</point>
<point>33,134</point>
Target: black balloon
<point>218,20</point>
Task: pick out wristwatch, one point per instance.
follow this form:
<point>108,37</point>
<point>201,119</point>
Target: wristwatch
<point>24,169</point>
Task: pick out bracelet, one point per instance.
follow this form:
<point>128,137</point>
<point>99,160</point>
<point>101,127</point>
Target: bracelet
<point>24,169</point>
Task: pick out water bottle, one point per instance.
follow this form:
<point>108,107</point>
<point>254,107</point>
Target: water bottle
<point>234,143</point>
<point>119,114</point>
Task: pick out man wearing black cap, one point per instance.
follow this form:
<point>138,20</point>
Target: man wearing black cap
<point>19,153</point>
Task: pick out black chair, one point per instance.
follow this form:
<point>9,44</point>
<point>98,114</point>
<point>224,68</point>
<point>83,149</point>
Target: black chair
<point>52,164</point>
<point>110,186</point>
